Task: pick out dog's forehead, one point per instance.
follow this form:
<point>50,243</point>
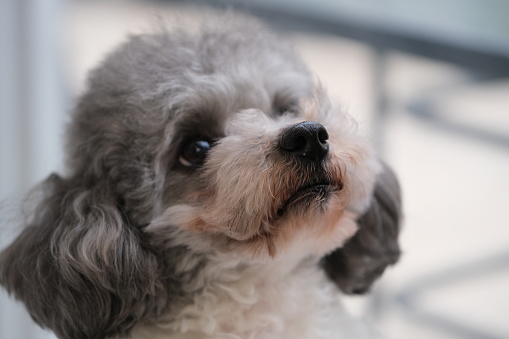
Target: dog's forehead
<point>210,100</point>
<point>206,101</point>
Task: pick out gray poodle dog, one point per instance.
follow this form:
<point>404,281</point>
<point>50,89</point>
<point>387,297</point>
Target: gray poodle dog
<point>211,191</point>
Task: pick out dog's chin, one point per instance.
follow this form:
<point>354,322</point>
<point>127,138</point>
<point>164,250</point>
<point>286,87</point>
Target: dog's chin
<point>312,220</point>
<point>313,196</point>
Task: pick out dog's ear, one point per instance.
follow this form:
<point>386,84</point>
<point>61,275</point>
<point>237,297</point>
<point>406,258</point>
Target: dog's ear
<point>80,267</point>
<point>363,259</point>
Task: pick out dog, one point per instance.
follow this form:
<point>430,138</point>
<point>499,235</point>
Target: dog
<point>211,191</point>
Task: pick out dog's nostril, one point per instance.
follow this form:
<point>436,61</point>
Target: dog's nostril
<point>306,140</point>
<point>323,136</point>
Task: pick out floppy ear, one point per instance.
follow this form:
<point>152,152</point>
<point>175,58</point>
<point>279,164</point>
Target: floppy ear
<point>81,268</point>
<point>363,259</point>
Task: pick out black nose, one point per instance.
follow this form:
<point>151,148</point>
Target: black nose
<point>306,140</point>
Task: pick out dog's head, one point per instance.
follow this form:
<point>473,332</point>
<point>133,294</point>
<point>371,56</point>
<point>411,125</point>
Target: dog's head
<point>217,142</point>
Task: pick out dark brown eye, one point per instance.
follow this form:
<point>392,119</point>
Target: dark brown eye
<point>194,151</point>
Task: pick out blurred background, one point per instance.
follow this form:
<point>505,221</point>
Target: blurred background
<point>427,81</point>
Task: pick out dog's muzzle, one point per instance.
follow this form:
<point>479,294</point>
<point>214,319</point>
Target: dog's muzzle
<point>306,141</point>
<point>306,145</point>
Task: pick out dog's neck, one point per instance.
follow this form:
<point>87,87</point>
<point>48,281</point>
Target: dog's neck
<point>198,271</point>
<point>287,296</point>
<point>249,300</point>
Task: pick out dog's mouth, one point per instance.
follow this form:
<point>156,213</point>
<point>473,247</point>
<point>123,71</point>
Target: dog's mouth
<point>314,193</point>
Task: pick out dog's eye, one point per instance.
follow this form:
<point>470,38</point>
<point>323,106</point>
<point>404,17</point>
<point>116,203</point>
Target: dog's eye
<point>194,151</point>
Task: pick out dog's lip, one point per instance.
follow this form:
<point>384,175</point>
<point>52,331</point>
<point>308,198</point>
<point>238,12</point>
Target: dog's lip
<point>313,189</point>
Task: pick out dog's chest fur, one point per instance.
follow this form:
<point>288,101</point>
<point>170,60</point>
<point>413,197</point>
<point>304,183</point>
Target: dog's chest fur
<point>287,298</point>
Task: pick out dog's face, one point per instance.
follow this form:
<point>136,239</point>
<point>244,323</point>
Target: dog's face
<point>218,142</point>
<point>263,182</point>
<point>247,153</point>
